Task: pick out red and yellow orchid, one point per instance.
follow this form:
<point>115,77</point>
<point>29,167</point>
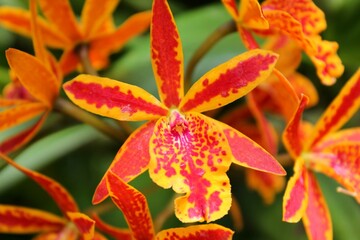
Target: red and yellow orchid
<point>24,220</point>
<point>31,94</point>
<point>61,29</point>
<point>324,150</point>
<point>182,148</point>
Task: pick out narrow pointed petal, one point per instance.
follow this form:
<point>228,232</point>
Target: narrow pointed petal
<point>5,103</point>
<point>20,114</point>
<point>131,160</point>
<point>94,14</point>
<point>248,153</point>
<point>293,137</point>
<point>33,75</point>
<point>296,197</point>
<point>166,54</point>
<point>84,224</point>
<point>251,15</point>
<point>343,136</point>
<point>231,7</point>
<point>69,61</point>
<point>190,154</point>
<point>60,14</point>
<point>133,205</point>
<point>24,220</point>
<point>114,99</point>
<point>198,232</point>
<point>117,233</point>
<point>20,139</point>
<point>18,20</point>
<point>229,81</point>
<point>317,220</point>
<point>341,109</point>
<point>60,195</point>
<point>102,47</point>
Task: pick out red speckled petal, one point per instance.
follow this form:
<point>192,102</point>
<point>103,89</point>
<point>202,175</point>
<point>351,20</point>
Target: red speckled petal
<point>33,75</point>
<point>190,154</point>
<point>133,205</point>
<point>231,7</point>
<point>60,195</point>
<point>19,114</point>
<point>251,15</point>
<point>131,160</point>
<point>198,232</point>
<point>327,62</point>
<point>84,224</point>
<point>23,220</point>
<point>113,99</point>
<point>293,138</point>
<point>117,233</point>
<point>229,81</point>
<point>248,153</point>
<point>317,220</point>
<point>340,110</point>
<point>295,198</point>
<point>166,54</point>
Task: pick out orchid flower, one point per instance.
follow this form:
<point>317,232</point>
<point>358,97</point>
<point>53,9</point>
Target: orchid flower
<point>180,147</point>
<point>322,149</point>
<point>61,29</point>
<point>23,220</point>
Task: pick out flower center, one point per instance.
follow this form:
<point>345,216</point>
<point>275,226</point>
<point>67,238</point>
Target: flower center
<point>177,122</point>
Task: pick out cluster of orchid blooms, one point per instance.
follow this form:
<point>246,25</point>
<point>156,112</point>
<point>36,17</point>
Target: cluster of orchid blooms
<point>182,145</point>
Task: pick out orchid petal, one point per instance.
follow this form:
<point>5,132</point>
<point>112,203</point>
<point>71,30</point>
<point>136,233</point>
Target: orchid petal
<point>19,114</point>
<point>248,153</point>
<point>113,99</point>
<point>33,75</point>
<point>20,139</point>
<point>14,219</point>
<point>303,85</point>
<point>117,233</point>
<point>317,220</point>
<point>346,135</point>
<point>296,197</point>
<point>94,14</point>
<point>60,14</point>
<point>102,47</point>
<point>5,103</point>
<point>198,232</point>
<point>131,160</point>
<point>191,154</point>
<point>340,110</point>
<point>231,7</point>
<point>69,61</point>
<point>166,54</point>
<point>293,136</point>
<point>18,20</point>
<point>251,15</point>
<point>133,205</point>
<point>60,195</point>
<point>83,223</point>
<point>229,81</point>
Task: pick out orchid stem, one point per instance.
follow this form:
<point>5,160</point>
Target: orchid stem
<point>218,34</point>
<point>83,53</point>
<point>70,109</point>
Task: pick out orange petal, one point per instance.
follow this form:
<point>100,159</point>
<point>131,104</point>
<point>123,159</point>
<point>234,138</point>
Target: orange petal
<point>84,224</point>
<point>60,195</point>
<point>33,75</point>
<point>102,47</point>
<point>296,197</point>
<point>26,220</point>
<point>341,109</point>
<point>117,233</point>
<point>229,81</point>
<point>166,54</point>
<point>327,62</point>
<point>133,205</point>
<point>190,154</point>
<point>293,136</point>
<point>5,103</point>
<point>131,160</point>
<point>60,14</point>
<point>19,114</point>
<point>94,14</point>
<point>251,15</point>
<point>303,85</point>
<point>231,7</point>
<point>113,99</point>
<point>18,20</point>
<point>198,232</point>
<point>69,61</point>
<point>317,220</point>
<point>248,153</point>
